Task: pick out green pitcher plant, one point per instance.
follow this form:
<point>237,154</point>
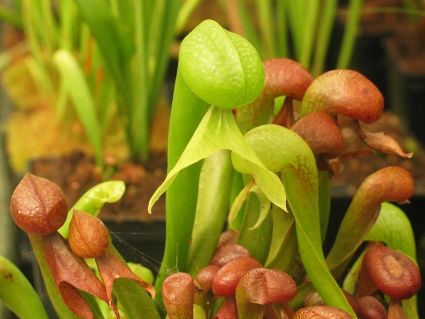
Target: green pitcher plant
<point>247,205</point>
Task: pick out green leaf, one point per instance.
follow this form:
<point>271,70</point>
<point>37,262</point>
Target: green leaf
<point>96,305</point>
<point>394,229</point>
<point>395,184</point>
<point>75,84</point>
<point>237,205</point>
<point>265,205</point>
<point>205,73</point>
<point>144,273</point>
<point>213,198</point>
<point>324,202</point>
<point>198,312</point>
<point>350,281</point>
<point>186,112</point>
<point>282,150</point>
<point>133,300</point>
<point>326,23</point>
<point>349,39</point>
<point>256,240</point>
<point>93,200</point>
<point>218,131</point>
<point>17,293</point>
<point>283,246</point>
<point>104,28</point>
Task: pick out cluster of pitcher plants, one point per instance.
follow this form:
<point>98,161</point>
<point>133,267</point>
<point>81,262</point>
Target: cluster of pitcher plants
<point>247,205</point>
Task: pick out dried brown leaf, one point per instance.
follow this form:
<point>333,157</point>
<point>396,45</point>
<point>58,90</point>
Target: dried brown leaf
<point>384,144</point>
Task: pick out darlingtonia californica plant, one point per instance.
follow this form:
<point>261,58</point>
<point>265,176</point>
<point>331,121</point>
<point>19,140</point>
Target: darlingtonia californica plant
<point>236,164</point>
<point>39,208</point>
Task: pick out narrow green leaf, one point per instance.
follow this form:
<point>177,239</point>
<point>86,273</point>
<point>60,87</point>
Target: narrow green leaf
<point>17,293</point>
<point>139,115</point>
<point>350,281</point>
<point>218,131</point>
<point>265,206</point>
<point>35,44</point>
<point>73,78</point>
<point>93,200</point>
<point>185,12</point>
<point>133,300</point>
<point>68,20</point>
<point>324,202</point>
<point>167,36</point>
<point>283,246</point>
<point>350,33</point>
<point>103,26</point>
<point>237,205</point>
<point>282,29</point>
<point>266,27</point>
<point>214,186</point>
<point>309,34</point>
<point>256,240</point>
<point>49,25</point>
<point>186,112</point>
<point>326,23</point>
<point>296,23</point>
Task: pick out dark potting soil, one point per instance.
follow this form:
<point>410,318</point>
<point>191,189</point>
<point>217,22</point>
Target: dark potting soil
<point>76,172</point>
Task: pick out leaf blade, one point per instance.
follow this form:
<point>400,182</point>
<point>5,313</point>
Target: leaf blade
<point>218,131</point>
<point>93,200</point>
<point>13,283</point>
<point>75,84</point>
<point>134,300</point>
